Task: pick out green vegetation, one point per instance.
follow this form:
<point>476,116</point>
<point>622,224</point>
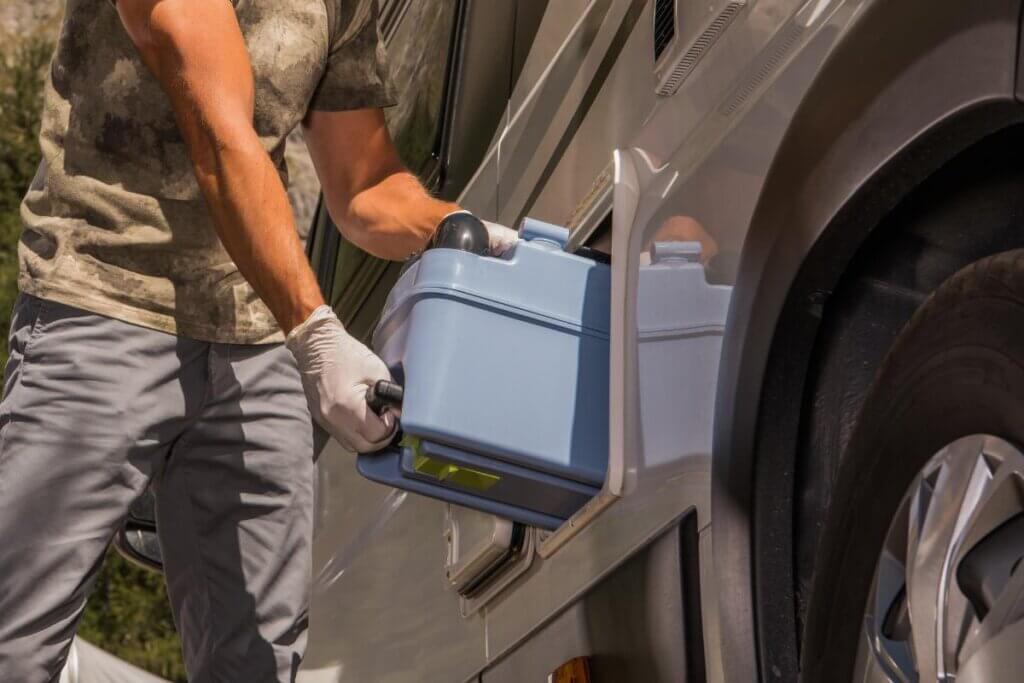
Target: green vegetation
<point>129,617</point>
<point>128,614</point>
<point>21,84</point>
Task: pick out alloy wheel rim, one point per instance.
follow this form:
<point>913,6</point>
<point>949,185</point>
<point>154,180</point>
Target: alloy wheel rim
<point>947,601</point>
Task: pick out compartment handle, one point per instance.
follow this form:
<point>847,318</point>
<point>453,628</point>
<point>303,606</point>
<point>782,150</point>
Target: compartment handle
<point>536,231</point>
<point>384,394</point>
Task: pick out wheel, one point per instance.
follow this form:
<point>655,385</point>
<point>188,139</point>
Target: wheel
<point>916,577</point>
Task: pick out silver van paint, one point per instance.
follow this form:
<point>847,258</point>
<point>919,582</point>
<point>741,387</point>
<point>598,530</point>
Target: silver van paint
<point>755,145</point>
<point>954,81</point>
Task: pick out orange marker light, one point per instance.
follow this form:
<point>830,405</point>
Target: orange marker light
<point>574,671</point>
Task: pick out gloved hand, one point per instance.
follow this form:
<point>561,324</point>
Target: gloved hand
<point>500,238</point>
<point>336,371</point>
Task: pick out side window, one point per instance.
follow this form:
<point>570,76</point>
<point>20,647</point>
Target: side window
<point>419,35</point>
<point>419,50</point>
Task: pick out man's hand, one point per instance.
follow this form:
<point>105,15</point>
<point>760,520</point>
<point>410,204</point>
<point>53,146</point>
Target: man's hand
<point>196,50</point>
<point>336,372</point>
<point>500,239</point>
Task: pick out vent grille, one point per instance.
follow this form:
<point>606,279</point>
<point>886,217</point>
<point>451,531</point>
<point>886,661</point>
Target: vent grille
<point>664,25</point>
<point>704,41</point>
<point>777,52</point>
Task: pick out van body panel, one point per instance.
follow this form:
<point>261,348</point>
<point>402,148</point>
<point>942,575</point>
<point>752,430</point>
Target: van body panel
<point>789,112</point>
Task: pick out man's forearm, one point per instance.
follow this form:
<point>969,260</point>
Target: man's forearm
<point>254,222</point>
<point>378,204</point>
<point>395,217</point>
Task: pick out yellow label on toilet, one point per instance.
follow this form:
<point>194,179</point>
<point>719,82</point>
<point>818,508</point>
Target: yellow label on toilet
<point>446,472</point>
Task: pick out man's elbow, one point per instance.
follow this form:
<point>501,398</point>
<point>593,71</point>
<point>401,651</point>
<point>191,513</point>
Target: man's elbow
<point>228,134</point>
<point>344,212</point>
<point>219,142</point>
<point>356,221</point>
<point>384,225</point>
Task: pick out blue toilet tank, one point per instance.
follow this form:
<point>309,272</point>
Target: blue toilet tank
<point>505,367</point>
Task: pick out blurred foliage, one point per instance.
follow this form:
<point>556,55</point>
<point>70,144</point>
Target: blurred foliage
<point>129,617</point>
<point>128,614</point>
<point>21,84</point>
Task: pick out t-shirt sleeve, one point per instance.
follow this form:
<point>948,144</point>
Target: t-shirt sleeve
<point>357,74</point>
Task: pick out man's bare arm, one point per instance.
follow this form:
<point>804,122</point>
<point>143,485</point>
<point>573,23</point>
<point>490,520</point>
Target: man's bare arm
<point>196,51</point>
<point>374,200</point>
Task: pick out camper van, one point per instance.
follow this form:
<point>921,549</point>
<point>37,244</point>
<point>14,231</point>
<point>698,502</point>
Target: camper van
<point>811,213</point>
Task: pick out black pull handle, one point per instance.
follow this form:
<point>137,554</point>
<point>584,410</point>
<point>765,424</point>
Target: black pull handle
<point>462,231</point>
<point>384,394</point>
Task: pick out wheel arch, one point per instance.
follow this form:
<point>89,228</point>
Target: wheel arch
<point>905,90</point>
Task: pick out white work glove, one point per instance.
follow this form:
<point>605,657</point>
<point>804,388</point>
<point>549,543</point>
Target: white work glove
<point>499,238</point>
<point>336,371</point>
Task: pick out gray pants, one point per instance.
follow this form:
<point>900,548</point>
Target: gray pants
<point>94,410</point>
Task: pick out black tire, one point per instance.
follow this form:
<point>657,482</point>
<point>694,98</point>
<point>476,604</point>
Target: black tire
<point>957,369</point>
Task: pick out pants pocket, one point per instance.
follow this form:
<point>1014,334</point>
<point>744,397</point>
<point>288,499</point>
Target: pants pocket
<point>24,329</point>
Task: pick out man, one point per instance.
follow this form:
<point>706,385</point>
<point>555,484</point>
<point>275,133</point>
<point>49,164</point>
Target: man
<point>160,272</point>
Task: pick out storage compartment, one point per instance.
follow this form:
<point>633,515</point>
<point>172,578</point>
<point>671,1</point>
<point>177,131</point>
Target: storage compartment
<point>505,367</point>
<point>479,545</point>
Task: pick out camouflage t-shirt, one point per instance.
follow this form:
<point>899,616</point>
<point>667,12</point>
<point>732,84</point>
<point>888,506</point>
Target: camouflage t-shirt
<point>114,221</point>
